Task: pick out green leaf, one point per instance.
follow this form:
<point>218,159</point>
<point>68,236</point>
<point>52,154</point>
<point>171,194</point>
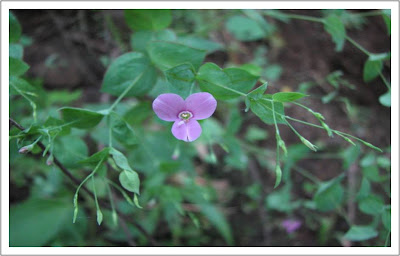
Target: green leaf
<point>272,72</point>
<point>287,96</point>
<point>122,131</point>
<point>129,68</point>
<point>130,181</point>
<point>15,29</point>
<point>253,69</point>
<point>54,126</point>
<point>255,133</point>
<point>154,19</point>
<point>226,83</point>
<point>368,159</point>
<point>263,109</point>
<point>180,79</point>
<point>244,28</point>
<point>350,155</point>
<point>258,93</point>
<point>63,97</point>
<point>20,86</point>
<point>218,220</point>
<point>383,162</point>
<point>138,113</point>
<point>386,217</point>
<point>365,189</point>
<point>70,150</point>
<point>385,100</point>
<point>372,69</point>
<point>17,67</point>
<point>379,56</point>
<point>81,118</point>
<point>360,233</point>
<point>200,43</point>
<point>261,21</point>
<point>140,39</point>
<point>167,55</point>
<point>372,173</point>
<point>16,51</point>
<point>329,97</point>
<point>97,157</point>
<point>371,204</point>
<point>279,200</point>
<point>329,195</point>
<point>120,160</point>
<point>36,221</point>
<point>334,26</point>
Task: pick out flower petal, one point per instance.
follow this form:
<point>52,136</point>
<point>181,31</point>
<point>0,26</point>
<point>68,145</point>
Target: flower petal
<point>187,131</point>
<point>201,104</point>
<point>167,106</point>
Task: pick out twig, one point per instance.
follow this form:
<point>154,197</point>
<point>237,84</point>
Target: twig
<point>103,203</point>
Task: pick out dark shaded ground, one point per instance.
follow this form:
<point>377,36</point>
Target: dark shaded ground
<point>77,40</point>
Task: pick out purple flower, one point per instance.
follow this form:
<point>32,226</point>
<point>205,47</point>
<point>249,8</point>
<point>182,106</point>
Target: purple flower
<point>291,225</point>
<point>185,113</point>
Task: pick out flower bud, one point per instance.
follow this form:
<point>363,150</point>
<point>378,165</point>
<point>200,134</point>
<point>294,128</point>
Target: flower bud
<point>50,160</point>
<point>26,149</point>
<point>176,153</point>
<point>308,144</point>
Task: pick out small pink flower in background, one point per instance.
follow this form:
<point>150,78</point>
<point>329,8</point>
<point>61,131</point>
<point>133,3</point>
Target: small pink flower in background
<point>185,113</point>
<point>291,225</point>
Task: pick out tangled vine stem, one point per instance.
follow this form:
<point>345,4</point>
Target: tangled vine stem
<point>124,218</point>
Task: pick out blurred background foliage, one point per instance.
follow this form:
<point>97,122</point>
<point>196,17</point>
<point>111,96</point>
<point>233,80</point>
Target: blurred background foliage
<point>218,190</point>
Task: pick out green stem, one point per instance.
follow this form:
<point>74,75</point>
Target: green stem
<point>230,89</point>
<point>191,89</point>
<point>114,212</point>
<point>358,46</point>
<point>387,239</point>
<point>125,92</point>
<point>33,105</point>
<point>302,17</point>
<point>123,193</point>
<point>277,132</point>
<point>307,174</point>
<point>96,201</point>
<point>344,215</point>
<point>79,187</point>
<point>314,125</point>
<point>59,126</point>
<point>385,81</point>
<point>293,129</point>
<point>366,14</point>
<point>109,131</point>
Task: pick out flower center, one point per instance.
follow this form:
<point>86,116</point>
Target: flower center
<point>185,115</point>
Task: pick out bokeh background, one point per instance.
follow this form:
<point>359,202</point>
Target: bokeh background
<point>69,51</point>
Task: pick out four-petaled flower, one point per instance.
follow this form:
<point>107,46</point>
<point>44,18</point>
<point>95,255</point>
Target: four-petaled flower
<point>185,113</point>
